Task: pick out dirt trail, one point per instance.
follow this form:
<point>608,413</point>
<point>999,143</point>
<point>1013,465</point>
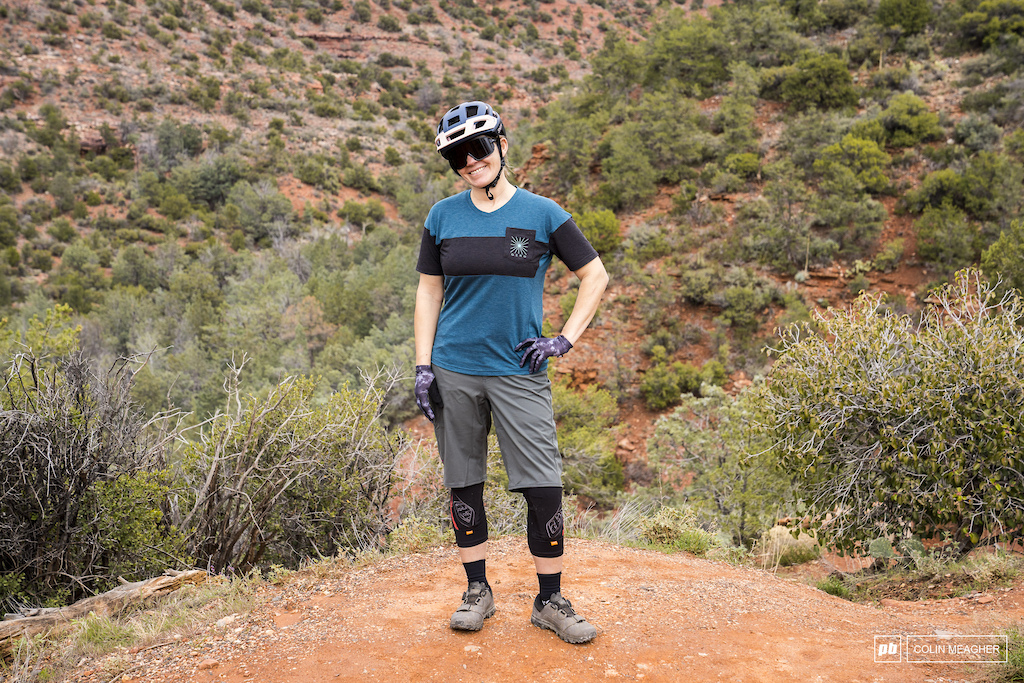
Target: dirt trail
<point>659,618</point>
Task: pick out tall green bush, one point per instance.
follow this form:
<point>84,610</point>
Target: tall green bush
<point>897,428</point>
<point>910,15</point>
<point>821,81</point>
<point>689,49</point>
<point>629,177</point>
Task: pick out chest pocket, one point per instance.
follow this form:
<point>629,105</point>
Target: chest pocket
<point>523,252</point>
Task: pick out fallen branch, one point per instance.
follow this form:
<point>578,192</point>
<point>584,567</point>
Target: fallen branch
<point>33,621</point>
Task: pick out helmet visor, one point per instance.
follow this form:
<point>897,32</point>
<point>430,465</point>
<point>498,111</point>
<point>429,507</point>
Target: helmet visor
<point>478,148</point>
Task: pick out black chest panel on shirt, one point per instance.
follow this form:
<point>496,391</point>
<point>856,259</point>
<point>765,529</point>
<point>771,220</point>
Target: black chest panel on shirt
<point>517,254</point>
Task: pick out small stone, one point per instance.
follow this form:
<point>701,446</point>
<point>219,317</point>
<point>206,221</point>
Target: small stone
<point>224,621</point>
<point>208,664</point>
<point>985,599</point>
<point>472,648</point>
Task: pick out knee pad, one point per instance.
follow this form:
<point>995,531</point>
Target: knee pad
<point>545,525</point>
<point>468,518</point>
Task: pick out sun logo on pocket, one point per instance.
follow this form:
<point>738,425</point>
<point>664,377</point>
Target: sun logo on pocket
<point>519,247</point>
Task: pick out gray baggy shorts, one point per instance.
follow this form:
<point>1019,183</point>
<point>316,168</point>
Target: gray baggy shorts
<point>524,421</point>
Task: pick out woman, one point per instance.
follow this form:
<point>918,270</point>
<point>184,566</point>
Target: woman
<point>480,356</point>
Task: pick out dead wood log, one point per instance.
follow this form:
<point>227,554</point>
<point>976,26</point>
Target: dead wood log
<point>33,621</point>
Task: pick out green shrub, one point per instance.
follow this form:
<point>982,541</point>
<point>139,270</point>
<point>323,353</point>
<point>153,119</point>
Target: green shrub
<point>1004,259</point>
<point>742,310</point>
<point>944,186</point>
<point>687,49</point>
<point>62,230</point>
<point>361,11</point>
<point>977,133</point>
<point>908,121</point>
<point>62,192</point>
<point>775,230</point>
<point>664,383</point>
<point>987,24</point>
<point>744,165</point>
<point>945,237</point>
<point>359,177</point>
<point>414,535</point>
<point>354,212</point>
<point>987,189</point>
<point>37,258</point>
<point>862,395</point>
<point>889,256</point>
<point>586,438</point>
<point>782,547</point>
<point>834,585</point>
<point>389,23</point>
<point>910,15</point>
<point>854,218</point>
<point>568,302</point>
<point>315,478</point>
<point>863,157</point>
<point>818,80</point>
<point>601,228</point>
<point>9,228</point>
<point>111,31</point>
<point>10,181</point>
<point>709,450</point>
<point>677,528</point>
<point>79,507</point>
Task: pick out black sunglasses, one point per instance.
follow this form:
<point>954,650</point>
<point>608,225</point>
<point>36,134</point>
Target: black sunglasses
<point>478,148</point>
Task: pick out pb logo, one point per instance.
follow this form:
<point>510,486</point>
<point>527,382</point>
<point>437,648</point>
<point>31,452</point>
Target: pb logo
<point>888,649</point>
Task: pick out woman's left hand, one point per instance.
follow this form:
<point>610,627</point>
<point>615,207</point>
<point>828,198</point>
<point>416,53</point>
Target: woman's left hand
<point>539,349</point>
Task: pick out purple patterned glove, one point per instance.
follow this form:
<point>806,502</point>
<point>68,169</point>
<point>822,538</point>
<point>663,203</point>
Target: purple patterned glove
<point>426,391</point>
<point>539,349</point>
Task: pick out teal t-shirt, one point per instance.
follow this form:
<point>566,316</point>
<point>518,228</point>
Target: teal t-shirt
<point>494,266</point>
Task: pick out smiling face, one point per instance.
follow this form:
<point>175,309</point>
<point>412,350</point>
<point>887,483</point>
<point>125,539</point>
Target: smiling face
<point>480,172</point>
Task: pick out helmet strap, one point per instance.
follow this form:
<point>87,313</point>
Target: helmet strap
<point>494,183</point>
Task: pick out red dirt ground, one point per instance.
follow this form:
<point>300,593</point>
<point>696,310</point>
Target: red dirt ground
<point>659,618</point>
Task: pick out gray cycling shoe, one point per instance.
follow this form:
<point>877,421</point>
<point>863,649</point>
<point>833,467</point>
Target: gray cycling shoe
<point>477,605</point>
<point>558,615</point>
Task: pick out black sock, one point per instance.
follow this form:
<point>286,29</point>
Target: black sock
<point>476,571</point>
<point>549,584</point>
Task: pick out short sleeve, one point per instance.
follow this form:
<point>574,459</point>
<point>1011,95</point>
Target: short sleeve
<point>430,256</point>
<point>570,245</point>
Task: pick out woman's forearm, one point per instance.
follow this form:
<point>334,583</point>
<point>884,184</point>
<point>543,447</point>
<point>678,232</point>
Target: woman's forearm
<point>593,281</point>
<point>429,297</point>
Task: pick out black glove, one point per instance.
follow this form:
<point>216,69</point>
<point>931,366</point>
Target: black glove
<point>426,391</point>
<point>539,349</point>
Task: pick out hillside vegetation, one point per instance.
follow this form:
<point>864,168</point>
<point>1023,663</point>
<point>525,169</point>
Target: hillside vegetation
<point>209,217</point>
